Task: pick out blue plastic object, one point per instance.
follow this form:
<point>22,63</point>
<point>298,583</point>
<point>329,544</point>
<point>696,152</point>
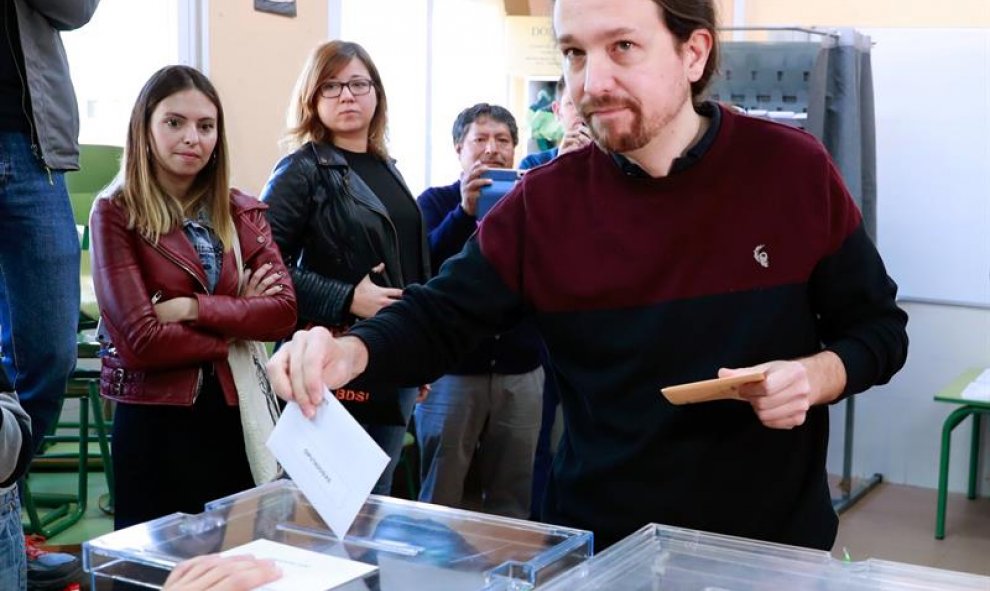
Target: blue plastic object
<point>503,179</point>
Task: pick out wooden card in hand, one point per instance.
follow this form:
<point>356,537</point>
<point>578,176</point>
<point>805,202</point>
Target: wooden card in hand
<point>708,390</point>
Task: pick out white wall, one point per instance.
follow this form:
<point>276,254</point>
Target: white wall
<point>934,233</point>
<point>465,39</point>
<point>898,426</point>
<point>398,45</point>
<point>468,68</point>
<point>107,80</point>
<point>933,160</point>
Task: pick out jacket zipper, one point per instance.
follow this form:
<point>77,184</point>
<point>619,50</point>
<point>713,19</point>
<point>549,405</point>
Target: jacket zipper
<point>22,76</point>
<point>179,263</point>
<point>158,295</point>
<point>391,225</point>
<point>199,384</point>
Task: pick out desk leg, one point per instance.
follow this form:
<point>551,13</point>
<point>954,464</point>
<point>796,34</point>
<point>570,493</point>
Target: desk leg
<point>850,495</point>
<point>102,436</point>
<point>974,456</point>
<point>951,422</point>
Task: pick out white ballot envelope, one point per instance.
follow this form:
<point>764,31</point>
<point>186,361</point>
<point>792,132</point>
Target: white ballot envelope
<point>303,570</point>
<point>331,458</point>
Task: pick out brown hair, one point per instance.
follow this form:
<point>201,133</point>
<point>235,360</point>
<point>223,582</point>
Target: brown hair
<point>325,61</point>
<point>151,210</point>
<point>683,17</point>
<point>494,112</point>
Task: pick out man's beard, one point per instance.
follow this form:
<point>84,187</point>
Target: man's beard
<point>611,137</point>
<point>640,131</point>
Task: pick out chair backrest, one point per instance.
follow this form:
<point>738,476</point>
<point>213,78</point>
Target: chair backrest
<point>98,165</point>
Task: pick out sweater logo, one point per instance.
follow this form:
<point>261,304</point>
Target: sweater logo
<point>761,256</point>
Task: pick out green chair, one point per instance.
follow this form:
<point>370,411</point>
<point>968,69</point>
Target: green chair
<point>975,408</point>
<point>65,509</point>
<point>98,166</point>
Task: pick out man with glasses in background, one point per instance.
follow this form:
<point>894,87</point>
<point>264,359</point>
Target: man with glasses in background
<point>487,408</point>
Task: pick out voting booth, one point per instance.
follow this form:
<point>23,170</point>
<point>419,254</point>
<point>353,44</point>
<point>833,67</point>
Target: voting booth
<point>404,545</point>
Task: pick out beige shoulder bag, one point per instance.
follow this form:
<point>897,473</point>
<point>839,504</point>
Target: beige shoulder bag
<point>257,402</point>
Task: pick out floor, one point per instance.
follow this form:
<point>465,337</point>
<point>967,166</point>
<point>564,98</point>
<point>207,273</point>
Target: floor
<point>896,522</point>
<point>94,523</point>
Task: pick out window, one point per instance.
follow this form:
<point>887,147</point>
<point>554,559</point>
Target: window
<point>113,55</point>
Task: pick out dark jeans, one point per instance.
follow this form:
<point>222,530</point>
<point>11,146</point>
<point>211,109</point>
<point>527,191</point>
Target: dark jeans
<point>389,438</point>
<point>39,282</point>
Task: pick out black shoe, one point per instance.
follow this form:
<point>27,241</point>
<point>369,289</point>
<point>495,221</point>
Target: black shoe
<point>50,571</point>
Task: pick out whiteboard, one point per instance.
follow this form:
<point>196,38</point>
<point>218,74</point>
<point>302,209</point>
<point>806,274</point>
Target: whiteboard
<point>932,90</point>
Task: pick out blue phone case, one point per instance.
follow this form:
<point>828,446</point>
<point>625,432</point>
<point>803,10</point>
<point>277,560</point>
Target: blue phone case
<point>503,179</point>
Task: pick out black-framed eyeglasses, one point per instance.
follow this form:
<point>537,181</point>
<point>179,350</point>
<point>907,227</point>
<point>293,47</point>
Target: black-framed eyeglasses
<point>357,86</point>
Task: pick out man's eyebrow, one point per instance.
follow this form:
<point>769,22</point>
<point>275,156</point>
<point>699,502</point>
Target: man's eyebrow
<point>610,33</point>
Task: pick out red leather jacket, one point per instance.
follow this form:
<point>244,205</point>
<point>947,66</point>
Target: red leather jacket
<point>161,363</point>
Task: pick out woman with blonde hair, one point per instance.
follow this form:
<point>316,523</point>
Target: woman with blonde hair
<point>349,230</point>
<point>167,240</point>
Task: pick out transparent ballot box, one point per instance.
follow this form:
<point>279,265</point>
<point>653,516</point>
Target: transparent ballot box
<point>661,558</point>
<point>414,545</point>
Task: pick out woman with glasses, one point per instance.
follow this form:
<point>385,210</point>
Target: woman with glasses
<point>349,230</point>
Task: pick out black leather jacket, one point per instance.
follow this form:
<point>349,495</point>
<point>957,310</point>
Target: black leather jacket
<point>332,229</point>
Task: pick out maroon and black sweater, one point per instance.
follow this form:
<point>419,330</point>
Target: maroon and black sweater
<point>754,253</point>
